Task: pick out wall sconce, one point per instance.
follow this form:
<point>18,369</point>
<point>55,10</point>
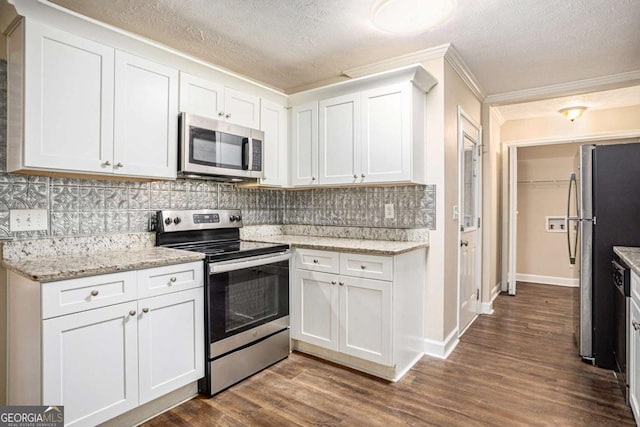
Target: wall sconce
<point>410,16</point>
<point>572,113</point>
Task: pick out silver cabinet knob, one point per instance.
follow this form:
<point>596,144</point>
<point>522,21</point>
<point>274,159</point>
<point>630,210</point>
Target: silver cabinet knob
<point>315,261</point>
<point>635,324</point>
<point>173,280</point>
<point>220,113</point>
<point>105,164</point>
<point>227,116</point>
<point>119,165</point>
<point>313,178</point>
<point>341,283</point>
<point>464,243</point>
<point>94,293</point>
<point>132,313</point>
<point>363,175</point>
<point>363,266</point>
<point>333,282</point>
<point>355,176</point>
<point>145,310</point>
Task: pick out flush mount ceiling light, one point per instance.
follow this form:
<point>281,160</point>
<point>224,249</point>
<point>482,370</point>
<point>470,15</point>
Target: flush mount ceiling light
<point>410,16</point>
<point>572,113</point>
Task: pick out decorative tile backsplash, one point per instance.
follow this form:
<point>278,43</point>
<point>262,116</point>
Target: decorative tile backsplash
<point>91,207</point>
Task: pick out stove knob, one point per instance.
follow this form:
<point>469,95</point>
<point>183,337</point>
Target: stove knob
<point>239,218</point>
<point>233,218</point>
<point>177,220</point>
<point>168,221</point>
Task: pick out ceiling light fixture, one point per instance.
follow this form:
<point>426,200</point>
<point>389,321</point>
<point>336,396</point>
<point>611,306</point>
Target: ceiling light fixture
<point>410,16</point>
<point>572,113</point>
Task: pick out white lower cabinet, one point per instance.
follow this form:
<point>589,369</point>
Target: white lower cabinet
<point>101,357</point>
<point>633,365</point>
<point>368,324</point>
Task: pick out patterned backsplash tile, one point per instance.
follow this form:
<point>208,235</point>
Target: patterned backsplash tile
<point>93,207</point>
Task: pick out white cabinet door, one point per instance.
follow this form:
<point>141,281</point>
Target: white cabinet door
<point>304,148</point>
<point>386,134</point>
<point>339,143</point>
<point>273,122</point>
<point>365,319</point>
<point>68,102</point>
<point>171,342</point>
<point>90,363</point>
<point>634,358</point>
<point>201,97</point>
<point>241,108</point>
<point>316,308</point>
<point>146,118</point>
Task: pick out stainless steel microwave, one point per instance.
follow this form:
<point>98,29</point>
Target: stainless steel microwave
<point>220,150</point>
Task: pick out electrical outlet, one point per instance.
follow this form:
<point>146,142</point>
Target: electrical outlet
<point>28,219</point>
<point>389,212</point>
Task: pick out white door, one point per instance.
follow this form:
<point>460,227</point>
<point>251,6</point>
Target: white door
<point>511,219</point>
<point>90,363</point>
<point>365,319</point>
<point>634,358</point>
<point>171,342</point>
<point>317,308</point>
<point>339,143</point>
<point>304,140</point>
<point>146,118</point>
<point>386,134</point>
<point>68,101</point>
<point>201,97</point>
<point>273,122</point>
<point>469,220</point>
<point>241,108</point>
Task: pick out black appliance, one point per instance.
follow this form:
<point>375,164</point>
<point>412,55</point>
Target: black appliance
<point>246,293</point>
<point>602,212</point>
<point>621,280</point>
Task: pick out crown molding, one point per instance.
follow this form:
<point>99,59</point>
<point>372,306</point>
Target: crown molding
<point>455,60</point>
<point>497,114</point>
<point>398,61</point>
<point>613,81</point>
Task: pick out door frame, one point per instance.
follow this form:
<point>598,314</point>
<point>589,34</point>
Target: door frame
<point>477,129</point>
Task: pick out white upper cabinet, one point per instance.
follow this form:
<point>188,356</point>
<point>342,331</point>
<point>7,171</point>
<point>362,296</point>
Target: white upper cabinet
<point>146,117</point>
<point>370,130</point>
<point>209,99</point>
<point>87,108</point>
<point>304,150</point>
<point>273,122</point>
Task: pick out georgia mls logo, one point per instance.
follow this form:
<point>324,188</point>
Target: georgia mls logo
<point>31,416</point>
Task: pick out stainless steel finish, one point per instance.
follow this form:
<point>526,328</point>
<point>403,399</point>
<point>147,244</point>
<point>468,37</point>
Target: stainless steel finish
<point>573,189</point>
<point>107,163</point>
<point>186,219</point>
<point>226,345</point>
<point>636,325</point>
<point>132,313</point>
<point>242,263</point>
<point>187,169</point>
<point>586,244</point>
<point>228,370</point>
<point>94,293</point>
<point>145,310</point>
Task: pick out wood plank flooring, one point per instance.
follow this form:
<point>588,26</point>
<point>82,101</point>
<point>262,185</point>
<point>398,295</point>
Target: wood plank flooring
<point>517,367</point>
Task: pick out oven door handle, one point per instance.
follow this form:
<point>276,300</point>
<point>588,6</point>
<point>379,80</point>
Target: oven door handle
<point>223,267</point>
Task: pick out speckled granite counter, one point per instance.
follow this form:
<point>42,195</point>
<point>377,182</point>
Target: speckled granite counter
<point>629,255</point>
<point>61,267</point>
<point>375,247</point>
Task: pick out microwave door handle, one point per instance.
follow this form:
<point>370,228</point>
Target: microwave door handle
<point>246,149</point>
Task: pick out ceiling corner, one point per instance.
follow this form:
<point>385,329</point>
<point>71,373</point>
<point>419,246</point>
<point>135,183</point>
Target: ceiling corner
<point>455,60</point>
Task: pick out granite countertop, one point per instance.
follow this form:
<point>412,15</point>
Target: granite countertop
<point>62,267</point>
<point>629,255</point>
<point>374,247</point>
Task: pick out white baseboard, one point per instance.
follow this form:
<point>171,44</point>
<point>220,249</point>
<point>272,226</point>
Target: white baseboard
<point>548,280</point>
<point>487,307</point>
<point>441,349</point>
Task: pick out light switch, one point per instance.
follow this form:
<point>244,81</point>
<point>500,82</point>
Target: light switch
<point>28,219</point>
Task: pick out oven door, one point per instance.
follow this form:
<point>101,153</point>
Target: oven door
<point>248,299</point>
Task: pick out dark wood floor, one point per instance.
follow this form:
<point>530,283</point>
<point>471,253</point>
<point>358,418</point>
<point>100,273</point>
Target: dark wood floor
<point>517,367</point>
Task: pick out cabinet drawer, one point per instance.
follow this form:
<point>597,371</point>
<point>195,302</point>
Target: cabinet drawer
<point>366,266</point>
<point>74,295</point>
<point>171,278</point>
<point>325,261</point>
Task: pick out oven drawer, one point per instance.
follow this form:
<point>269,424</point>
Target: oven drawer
<point>86,293</point>
<point>366,266</point>
<point>324,261</point>
<point>170,278</point>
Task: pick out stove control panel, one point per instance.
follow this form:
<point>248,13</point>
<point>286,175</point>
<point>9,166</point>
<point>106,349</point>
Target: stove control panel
<point>202,219</point>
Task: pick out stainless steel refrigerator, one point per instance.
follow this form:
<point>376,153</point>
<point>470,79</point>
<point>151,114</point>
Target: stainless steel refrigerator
<point>603,211</point>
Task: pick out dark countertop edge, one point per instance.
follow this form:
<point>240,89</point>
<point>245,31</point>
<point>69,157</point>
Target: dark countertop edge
<point>624,252</point>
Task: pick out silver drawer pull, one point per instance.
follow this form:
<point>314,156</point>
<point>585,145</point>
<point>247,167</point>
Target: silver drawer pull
<point>341,283</point>
<point>119,165</point>
<point>333,282</point>
<point>105,164</point>
<point>635,324</point>
<point>94,293</point>
<point>132,313</point>
<point>363,266</point>
<point>315,261</point>
<point>173,280</point>
<point>145,310</point>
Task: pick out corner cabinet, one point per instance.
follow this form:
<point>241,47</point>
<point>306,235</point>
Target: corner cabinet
<point>78,106</point>
<point>633,364</point>
<point>103,345</point>
<point>363,311</point>
<point>273,122</point>
<point>369,130</point>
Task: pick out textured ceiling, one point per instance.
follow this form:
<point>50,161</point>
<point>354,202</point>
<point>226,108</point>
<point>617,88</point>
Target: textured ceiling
<point>509,45</point>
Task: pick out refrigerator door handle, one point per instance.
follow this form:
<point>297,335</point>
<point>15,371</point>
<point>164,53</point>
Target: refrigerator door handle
<point>573,184</point>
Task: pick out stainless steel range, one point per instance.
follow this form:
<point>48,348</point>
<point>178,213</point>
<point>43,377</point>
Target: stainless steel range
<point>246,293</point>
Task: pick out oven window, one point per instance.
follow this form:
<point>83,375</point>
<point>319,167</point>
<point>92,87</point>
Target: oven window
<point>243,299</point>
<point>217,149</point>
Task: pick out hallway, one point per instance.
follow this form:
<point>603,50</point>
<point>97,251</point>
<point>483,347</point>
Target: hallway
<point>517,367</point>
